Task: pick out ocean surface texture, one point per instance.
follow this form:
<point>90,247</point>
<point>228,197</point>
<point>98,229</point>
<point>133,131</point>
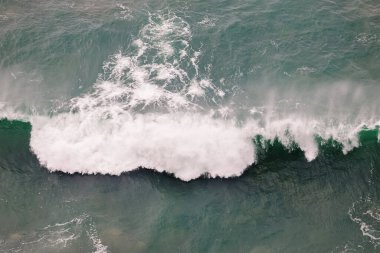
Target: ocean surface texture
<point>189,126</point>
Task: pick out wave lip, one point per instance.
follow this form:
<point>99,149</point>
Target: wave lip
<point>187,145</point>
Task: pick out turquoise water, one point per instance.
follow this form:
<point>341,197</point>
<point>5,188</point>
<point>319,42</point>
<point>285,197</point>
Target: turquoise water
<point>189,126</point>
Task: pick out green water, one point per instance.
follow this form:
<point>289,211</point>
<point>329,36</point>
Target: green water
<point>285,204</point>
<point>189,126</point>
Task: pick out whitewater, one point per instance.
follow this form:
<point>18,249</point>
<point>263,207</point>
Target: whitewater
<point>189,126</point>
<point>154,107</point>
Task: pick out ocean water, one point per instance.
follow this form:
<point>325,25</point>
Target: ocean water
<point>189,126</point>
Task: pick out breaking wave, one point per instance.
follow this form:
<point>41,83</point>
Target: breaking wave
<point>156,106</point>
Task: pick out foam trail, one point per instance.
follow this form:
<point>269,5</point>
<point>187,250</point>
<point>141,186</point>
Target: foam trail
<point>56,236</point>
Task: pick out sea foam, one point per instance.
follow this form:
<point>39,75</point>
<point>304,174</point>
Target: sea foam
<point>156,107</point>
<point>145,114</point>
<point>185,145</point>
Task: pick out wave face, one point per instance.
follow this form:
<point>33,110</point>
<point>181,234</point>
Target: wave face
<point>156,105</point>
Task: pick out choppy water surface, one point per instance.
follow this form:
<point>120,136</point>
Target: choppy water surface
<point>189,126</point>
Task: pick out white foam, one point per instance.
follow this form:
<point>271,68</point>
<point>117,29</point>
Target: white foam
<point>109,140</point>
<point>125,11</point>
<point>50,238</point>
<point>55,237</point>
<point>99,247</point>
<point>148,110</point>
<point>368,220</point>
<point>208,22</point>
<point>187,145</point>
<point>162,81</point>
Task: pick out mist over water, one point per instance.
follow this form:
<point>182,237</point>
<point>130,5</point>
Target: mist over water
<point>253,92</point>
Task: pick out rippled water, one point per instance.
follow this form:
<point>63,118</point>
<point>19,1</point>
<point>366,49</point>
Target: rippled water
<point>189,126</point>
